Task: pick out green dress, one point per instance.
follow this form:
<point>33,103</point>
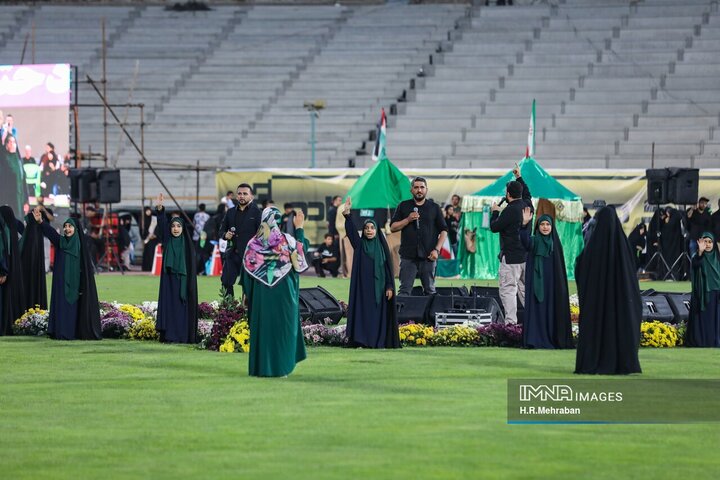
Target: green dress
<point>276,338</point>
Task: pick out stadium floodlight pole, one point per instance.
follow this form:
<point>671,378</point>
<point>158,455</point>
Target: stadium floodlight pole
<point>313,108</point>
<point>139,151</point>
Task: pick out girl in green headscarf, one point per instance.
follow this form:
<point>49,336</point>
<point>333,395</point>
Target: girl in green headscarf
<point>547,308</point>
<point>74,308</point>
<point>177,300</point>
<point>704,319</point>
<point>372,322</point>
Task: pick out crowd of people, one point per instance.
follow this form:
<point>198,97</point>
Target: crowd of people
<point>26,176</point>
<point>264,252</point>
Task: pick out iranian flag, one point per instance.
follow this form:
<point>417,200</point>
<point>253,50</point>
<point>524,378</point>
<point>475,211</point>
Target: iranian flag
<point>530,149</point>
<point>379,150</point>
<point>446,251</point>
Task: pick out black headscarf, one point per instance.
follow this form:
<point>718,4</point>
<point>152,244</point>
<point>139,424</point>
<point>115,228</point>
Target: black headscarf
<point>13,292</point>
<point>610,302</point>
<point>32,257</point>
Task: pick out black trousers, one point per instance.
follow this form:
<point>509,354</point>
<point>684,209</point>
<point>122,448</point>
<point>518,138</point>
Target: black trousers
<point>232,269</point>
<point>332,267</point>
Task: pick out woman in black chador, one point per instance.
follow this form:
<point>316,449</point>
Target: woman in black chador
<point>547,305</point>
<point>610,302</point>
<point>12,305</point>
<point>32,254</point>
<point>74,308</point>
<point>371,308</point>
<point>177,300</point>
<point>704,321</point>
<point>637,239</point>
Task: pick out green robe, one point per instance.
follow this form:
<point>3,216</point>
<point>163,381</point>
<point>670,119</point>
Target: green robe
<point>276,338</point>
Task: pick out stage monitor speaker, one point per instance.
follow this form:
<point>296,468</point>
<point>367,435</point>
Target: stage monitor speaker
<point>683,186</point>
<point>494,292</point>
<point>83,185</point>
<point>461,291</point>
<point>656,307</point>
<point>657,186</point>
<point>447,303</point>
<point>108,186</point>
<point>680,306</point>
<point>317,305</point>
<point>414,309</point>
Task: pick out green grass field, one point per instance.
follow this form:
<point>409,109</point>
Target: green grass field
<point>127,409</point>
<point>139,288</point>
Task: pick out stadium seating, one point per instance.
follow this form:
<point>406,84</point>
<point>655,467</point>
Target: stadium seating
<point>225,88</point>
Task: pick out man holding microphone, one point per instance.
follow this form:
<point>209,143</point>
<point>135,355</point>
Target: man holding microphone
<point>511,275</point>
<point>423,233</point>
<point>238,227</point>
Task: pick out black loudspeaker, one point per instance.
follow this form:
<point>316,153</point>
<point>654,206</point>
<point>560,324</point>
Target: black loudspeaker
<point>683,185</point>
<point>462,291</point>
<point>414,309</point>
<point>680,306</point>
<point>83,185</point>
<point>446,303</point>
<point>494,292</point>
<point>317,305</point>
<point>656,307</point>
<point>108,186</point>
<point>657,186</point>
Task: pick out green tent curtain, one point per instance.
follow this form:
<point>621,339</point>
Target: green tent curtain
<point>382,186</point>
<point>484,263</point>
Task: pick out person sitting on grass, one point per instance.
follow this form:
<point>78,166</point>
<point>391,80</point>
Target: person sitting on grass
<point>327,257</point>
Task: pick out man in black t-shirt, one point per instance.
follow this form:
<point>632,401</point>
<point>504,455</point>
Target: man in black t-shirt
<point>238,227</point>
<point>423,233</point>
<point>327,257</point>
<point>511,274</point>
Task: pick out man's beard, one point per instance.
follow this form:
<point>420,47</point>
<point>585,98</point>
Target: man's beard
<point>419,196</point>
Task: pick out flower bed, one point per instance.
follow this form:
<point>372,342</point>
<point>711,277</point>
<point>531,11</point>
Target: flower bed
<point>659,335</point>
<point>34,322</point>
<point>223,326</point>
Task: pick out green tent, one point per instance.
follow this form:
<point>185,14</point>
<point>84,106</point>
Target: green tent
<point>484,263</point>
<point>382,186</point>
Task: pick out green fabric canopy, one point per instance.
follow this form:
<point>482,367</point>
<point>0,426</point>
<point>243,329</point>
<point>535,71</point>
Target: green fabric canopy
<point>484,263</point>
<point>382,186</point>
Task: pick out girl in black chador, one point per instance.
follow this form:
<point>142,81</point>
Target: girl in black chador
<point>74,308</point>
<point>547,308</point>
<point>704,320</point>
<point>371,308</point>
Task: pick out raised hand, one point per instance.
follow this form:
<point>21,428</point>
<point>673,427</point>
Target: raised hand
<point>159,202</point>
<point>527,215</point>
<point>37,214</point>
<point>299,219</point>
<point>701,246</point>
<point>348,206</point>
<point>516,171</point>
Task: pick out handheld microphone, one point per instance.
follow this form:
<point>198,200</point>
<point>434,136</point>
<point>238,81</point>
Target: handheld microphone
<point>504,199</point>
<point>232,230</point>
<point>417,220</point>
